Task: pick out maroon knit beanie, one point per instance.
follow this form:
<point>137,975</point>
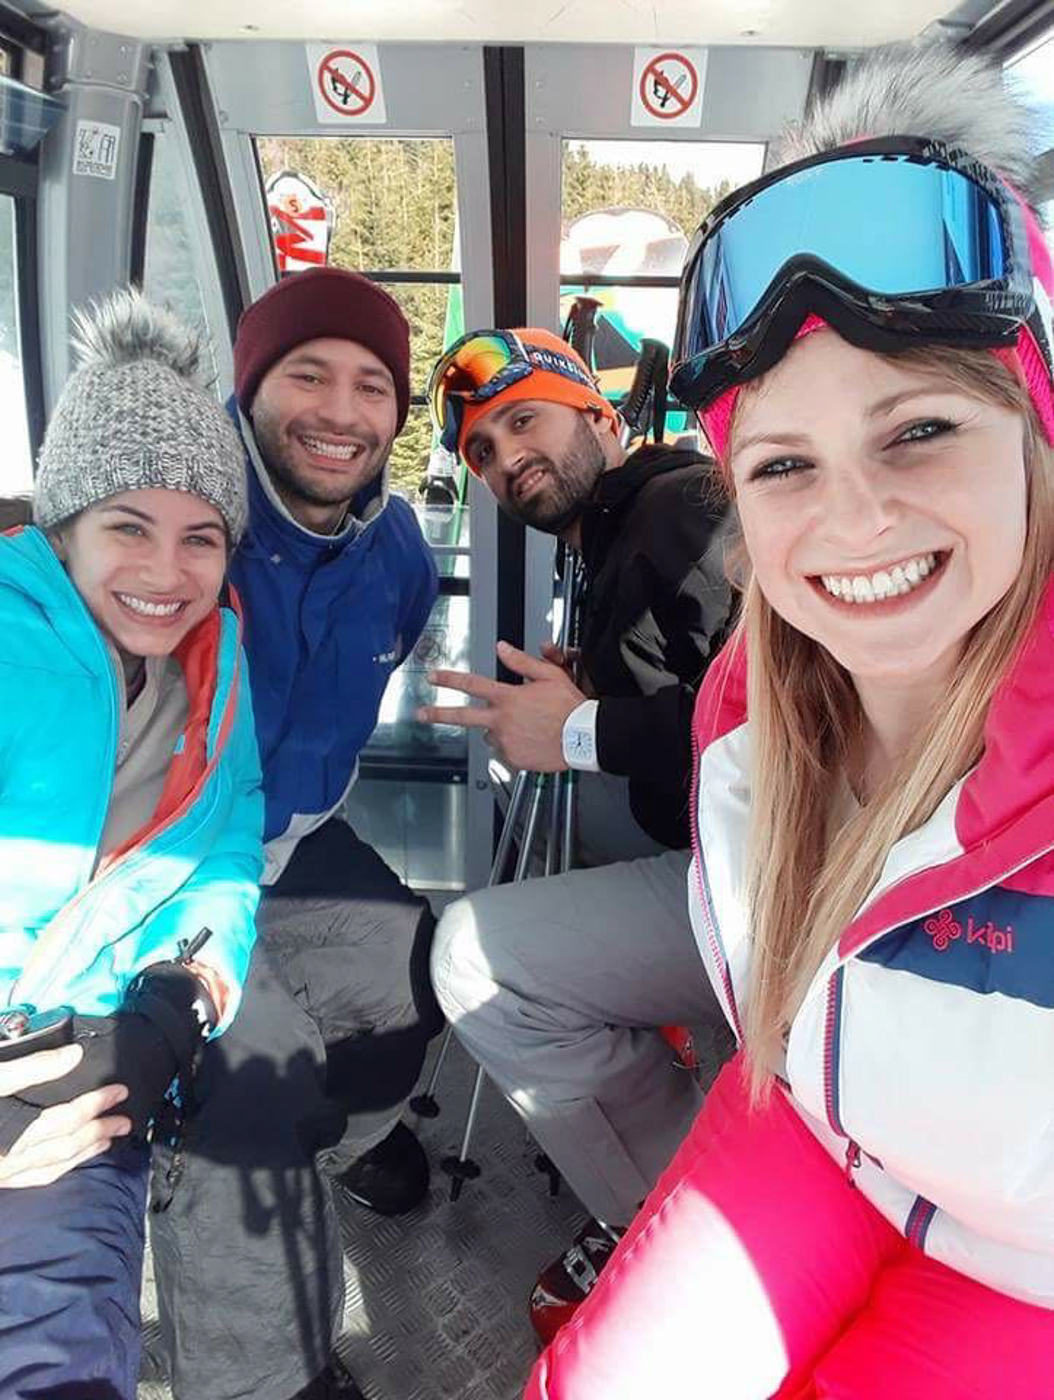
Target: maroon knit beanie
<point>320,303</point>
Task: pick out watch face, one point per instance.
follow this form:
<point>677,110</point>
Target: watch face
<point>581,743</point>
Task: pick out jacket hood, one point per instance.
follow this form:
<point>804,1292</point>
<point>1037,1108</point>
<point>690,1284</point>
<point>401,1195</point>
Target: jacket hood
<point>639,467</point>
<point>365,508</point>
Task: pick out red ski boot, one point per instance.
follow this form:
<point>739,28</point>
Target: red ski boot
<point>569,1280</point>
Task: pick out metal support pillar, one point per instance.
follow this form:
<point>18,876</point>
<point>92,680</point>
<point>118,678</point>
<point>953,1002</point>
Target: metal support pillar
<point>87,182</point>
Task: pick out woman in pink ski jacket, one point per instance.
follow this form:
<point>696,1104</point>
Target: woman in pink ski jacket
<point>865,1206</point>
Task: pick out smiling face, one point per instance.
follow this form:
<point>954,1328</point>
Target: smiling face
<point>324,417</point>
<point>883,506</point>
<point>149,566</point>
<point>542,460</point>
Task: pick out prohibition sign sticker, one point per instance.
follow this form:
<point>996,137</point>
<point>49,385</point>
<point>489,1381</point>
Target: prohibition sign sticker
<point>668,87</point>
<point>346,84</point>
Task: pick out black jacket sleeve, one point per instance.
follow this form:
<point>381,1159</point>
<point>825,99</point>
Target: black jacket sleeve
<point>657,610</point>
<point>648,737</point>
<point>665,717</point>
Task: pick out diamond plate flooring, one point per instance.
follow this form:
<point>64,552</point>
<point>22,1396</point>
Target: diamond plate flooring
<point>436,1302</point>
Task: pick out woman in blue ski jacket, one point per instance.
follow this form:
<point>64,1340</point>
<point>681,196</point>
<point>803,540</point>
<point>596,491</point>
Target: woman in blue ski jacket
<point>130,831</point>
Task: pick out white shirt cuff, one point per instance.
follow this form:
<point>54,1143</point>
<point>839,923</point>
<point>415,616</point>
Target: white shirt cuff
<point>579,737</point>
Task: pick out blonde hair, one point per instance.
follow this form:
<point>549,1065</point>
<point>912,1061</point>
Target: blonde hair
<point>806,724</point>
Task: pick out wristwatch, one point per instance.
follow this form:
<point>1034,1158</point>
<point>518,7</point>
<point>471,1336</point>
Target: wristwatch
<point>578,739</point>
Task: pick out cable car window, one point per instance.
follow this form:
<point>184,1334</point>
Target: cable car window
<point>1034,69</point>
<point>628,211</point>
<point>387,207</point>
<point>1034,72</point>
<point>169,275</point>
<point>16,465</point>
<point>379,205</point>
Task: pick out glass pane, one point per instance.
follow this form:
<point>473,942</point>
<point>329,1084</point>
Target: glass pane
<point>417,827</point>
<point>394,199</point>
<point>169,276</point>
<point>375,204</point>
<point>443,643</point>
<point>628,210</point>
<point>417,820</point>
<point>16,463</point>
<point>1033,72</point>
<point>432,480</point>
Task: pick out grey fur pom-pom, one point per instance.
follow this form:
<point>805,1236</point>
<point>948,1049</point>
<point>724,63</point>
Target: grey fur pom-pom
<point>124,328</point>
<point>928,89</point>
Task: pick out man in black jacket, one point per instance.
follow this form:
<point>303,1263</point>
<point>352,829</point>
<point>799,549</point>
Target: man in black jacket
<point>559,986</point>
<point>656,608</point>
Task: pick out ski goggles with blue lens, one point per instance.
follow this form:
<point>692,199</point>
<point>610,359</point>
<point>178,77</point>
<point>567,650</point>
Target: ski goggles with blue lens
<point>891,242</point>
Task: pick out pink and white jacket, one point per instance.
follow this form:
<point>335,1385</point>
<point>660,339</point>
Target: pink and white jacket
<point>923,1053</point>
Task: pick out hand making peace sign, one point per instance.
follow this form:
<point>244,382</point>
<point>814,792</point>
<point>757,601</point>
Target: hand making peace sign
<point>523,724</point>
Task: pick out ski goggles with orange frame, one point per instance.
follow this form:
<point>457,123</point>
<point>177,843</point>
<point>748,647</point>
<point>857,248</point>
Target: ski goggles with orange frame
<point>480,366</point>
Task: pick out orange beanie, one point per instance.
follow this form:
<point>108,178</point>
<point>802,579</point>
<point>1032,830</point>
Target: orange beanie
<point>555,365</point>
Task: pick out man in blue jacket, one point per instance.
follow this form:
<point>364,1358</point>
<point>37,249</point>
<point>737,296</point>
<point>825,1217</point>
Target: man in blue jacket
<point>336,583</point>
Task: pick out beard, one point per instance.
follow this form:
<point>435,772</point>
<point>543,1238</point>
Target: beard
<point>290,479</point>
<point>569,483</point>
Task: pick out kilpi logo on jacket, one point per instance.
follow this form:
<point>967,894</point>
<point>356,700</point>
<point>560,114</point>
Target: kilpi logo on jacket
<point>995,941</point>
<point>945,929</point>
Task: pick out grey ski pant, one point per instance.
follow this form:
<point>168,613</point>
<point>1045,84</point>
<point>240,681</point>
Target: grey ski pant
<point>315,1069</point>
<point>557,987</point>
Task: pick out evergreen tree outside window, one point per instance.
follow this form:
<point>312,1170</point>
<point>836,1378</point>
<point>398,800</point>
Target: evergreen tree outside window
<point>395,201</point>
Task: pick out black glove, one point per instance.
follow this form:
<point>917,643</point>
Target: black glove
<point>154,1039</point>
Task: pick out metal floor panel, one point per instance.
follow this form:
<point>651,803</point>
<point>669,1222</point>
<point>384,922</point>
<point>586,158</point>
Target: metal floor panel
<point>436,1304</point>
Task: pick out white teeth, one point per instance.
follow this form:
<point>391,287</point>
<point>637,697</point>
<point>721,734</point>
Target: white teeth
<point>884,583</point>
<point>140,605</point>
<point>337,452</point>
<point>527,482</point>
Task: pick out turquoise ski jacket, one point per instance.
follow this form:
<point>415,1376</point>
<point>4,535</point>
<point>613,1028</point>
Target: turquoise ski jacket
<point>71,937</point>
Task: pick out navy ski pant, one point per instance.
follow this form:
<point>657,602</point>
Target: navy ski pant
<point>71,1258</point>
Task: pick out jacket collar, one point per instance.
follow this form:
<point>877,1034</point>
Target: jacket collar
<point>1016,769</point>
<point>29,564</point>
<point>621,483</point>
<point>1000,818</point>
<point>618,487</point>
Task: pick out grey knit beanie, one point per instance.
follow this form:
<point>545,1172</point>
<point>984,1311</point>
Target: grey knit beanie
<point>135,414</point>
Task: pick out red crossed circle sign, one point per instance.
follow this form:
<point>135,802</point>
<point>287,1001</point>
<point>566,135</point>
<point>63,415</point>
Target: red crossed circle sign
<point>668,86</point>
<point>346,82</point>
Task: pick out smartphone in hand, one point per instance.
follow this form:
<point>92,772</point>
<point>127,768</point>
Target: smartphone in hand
<point>22,1033</point>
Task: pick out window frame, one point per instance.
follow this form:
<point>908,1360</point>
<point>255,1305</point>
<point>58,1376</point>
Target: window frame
<point>19,180</point>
